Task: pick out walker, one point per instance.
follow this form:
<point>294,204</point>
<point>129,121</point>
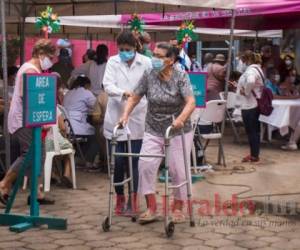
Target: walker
<point>169,225</point>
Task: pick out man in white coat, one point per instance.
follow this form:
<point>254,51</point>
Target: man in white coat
<point>122,75</point>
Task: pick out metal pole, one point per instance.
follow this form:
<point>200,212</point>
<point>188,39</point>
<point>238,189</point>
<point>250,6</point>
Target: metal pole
<point>5,89</point>
<point>230,52</point>
<point>229,65</point>
<point>22,32</point>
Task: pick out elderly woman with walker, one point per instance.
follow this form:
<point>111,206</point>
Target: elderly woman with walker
<point>170,102</point>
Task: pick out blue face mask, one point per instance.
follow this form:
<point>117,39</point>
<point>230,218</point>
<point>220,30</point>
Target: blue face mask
<point>157,64</point>
<point>126,55</point>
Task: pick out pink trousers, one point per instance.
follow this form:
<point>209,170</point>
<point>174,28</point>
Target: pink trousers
<point>148,167</point>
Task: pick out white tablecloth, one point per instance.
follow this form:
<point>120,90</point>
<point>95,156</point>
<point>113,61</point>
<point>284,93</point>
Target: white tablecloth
<point>286,114</point>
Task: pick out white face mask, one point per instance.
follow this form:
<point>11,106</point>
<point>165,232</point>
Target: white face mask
<point>46,63</point>
<point>288,62</point>
<point>277,78</point>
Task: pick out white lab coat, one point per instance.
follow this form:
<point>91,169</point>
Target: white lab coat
<point>78,103</point>
<point>118,78</point>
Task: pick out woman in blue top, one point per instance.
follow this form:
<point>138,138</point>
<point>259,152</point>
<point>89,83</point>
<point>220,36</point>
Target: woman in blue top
<point>272,81</point>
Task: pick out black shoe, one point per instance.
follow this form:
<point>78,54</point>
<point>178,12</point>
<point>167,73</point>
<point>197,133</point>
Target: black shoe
<point>43,201</point>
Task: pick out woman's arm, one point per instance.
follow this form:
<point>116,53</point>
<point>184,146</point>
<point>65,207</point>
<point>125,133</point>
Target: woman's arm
<point>131,103</point>
<point>187,111</point>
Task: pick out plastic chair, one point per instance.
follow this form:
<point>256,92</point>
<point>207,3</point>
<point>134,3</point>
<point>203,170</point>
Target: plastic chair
<point>230,107</point>
<point>71,135</point>
<point>215,114</point>
<point>49,160</point>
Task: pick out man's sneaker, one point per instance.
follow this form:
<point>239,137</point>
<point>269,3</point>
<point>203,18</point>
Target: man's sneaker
<point>290,147</point>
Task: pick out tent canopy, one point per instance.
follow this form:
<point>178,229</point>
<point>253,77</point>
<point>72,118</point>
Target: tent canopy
<point>105,7</point>
<point>250,15</point>
<point>220,4</point>
<point>114,22</point>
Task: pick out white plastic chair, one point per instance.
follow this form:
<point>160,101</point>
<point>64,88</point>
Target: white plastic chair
<point>231,99</point>
<point>215,114</point>
<point>49,160</point>
<point>230,108</point>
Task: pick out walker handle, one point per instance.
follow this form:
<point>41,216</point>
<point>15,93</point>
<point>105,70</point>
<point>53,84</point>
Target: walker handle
<point>168,132</point>
<point>120,126</point>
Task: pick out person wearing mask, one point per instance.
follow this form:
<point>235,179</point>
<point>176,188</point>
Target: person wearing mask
<point>195,66</point>
<point>208,59</point>
<point>216,73</point>
<point>94,69</point>
<point>79,102</point>
<point>42,55</point>
<point>286,66</point>
<point>249,88</point>
<point>122,76</point>
<point>170,102</point>
<point>272,81</point>
<point>64,66</point>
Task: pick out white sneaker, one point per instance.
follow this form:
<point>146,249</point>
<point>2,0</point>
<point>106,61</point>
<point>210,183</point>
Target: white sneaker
<point>290,147</point>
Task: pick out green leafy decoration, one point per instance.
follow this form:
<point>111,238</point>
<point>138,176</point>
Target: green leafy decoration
<point>48,21</point>
<point>136,23</point>
<point>186,33</point>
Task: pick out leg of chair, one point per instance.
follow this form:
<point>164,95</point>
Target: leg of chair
<point>219,152</point>
<point>270,131</point>
<point>48,170</point>
<point>262,131</point>
<point>204,150</point>
<point>235,133</point>
<point>222,153</point>
<point>73,170</point>
<point>25,182</point>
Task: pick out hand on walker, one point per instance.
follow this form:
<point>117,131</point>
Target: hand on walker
<point>123,121</point>
<point>127,94</point>
<point>177,124</point>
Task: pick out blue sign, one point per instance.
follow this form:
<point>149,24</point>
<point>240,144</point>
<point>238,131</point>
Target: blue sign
<point>198,81</point>
<point>39,102</point>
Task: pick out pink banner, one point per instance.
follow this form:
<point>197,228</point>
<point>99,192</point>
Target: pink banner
<point>250,14</point>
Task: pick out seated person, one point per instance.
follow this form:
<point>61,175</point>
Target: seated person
<point>287,89</point>
<point>79,102</point>
<point>272,81</point>
<point>64,143</point>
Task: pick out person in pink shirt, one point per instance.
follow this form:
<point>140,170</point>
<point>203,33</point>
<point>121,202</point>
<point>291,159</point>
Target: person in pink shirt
<point>42,56</point>
<point>216,77</point>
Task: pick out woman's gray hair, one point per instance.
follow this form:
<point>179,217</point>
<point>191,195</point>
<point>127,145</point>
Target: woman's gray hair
<point>167,47</point>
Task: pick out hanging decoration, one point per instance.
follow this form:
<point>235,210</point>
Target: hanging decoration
<point>48,22</point>
<point>136,23</point>
<point>186,33</point>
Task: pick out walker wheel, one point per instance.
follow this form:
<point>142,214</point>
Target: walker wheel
<point>170,228</point>
<point>192,224</point>
<point>105,225</point>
